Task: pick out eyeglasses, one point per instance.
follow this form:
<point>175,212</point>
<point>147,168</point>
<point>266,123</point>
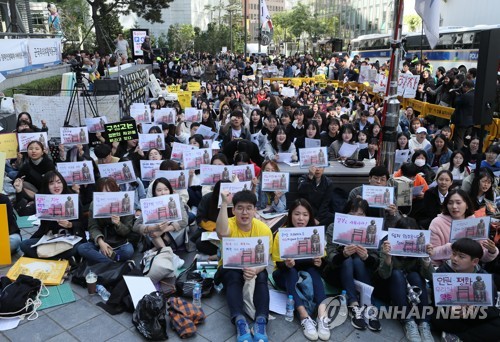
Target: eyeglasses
<point>243,209</point>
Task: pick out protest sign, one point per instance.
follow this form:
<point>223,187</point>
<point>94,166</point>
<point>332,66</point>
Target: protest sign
<point>107,204</point>
<point>121,131</point>
<point>239,253</point>
<point>25,138</point>
<point>178,179</point>
<point>453,289</point>
<point>195,158</point>
<point>472,228</point>
<point>161,208</point>
<point>409,242</point>
<point>317,156</point>
<point>122,172</point>
<point>56,207</point>
<point>74,135</point>
<point>378,196</point>
<point>77,172</point>
<point>301,242</point>
<point>148,168</point>
<point>275,181</point>
<point>149,141</point>
<point>358,230</point>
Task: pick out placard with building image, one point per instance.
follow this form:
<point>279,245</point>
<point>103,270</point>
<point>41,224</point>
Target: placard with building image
<point>74,135</point>
<point>121,172</point>
<point>301,242</point>
<point>476,228</point>
<point>80,173</point>
<point>161,208</point>
<point>107,204</point>
<point>178,179</point>
<point>358,230</point>
<point>248,252</point>
<point>56,207</point>
<point>409,242</point>
<point>275,181</point>
<point>148,168</point>
<point>452,289</point>
<point>317,156</point>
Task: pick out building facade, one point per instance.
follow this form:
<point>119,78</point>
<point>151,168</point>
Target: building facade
<point>273,6</point>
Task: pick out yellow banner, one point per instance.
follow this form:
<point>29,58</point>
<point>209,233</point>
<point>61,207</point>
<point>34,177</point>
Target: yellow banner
<point>9,145</point>
<point>319,78</point>
<point>184,98</point>
<point>174,88</point>
<point>418,106</point>
<point>194,86</point>
<point>5,258</point>
<point>439,111</point>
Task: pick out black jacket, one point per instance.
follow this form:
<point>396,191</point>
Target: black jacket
<point>319,196</point>
<point>431,208</point>
<point>33,173</point>
<point>52,226</point>
<point>11,217</point>
<point>464,109</point>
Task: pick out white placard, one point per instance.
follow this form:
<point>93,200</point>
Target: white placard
<point>358,230</point>
<point>409,242</point>
<point>161,209</point>
<point>195,158</point>
<point>77,172</point>
<point>248,252</point>
<point>57,207</point>
<point>472,228</point>
<point>311,143</point>
<point>192,114</point>
<point>301,242</point>
<point>233,188</point>
<point>178,179</point>
<point>74,135</point>
<point>454,289</point>
<point>378,196</point>
<point>275,181</point>
<point>347,150</point>
<point>211,174</point>
<point>178,150</point>
<point>107,204</point>
<point>313,156</point>
<point>148,168</point>
<point>149,141</point>
<point>122,172</point>
<point>25,138</point>
<point>95,125</point>
<point>140,112</point>
<point>243,172</point>
<point>165,115</point>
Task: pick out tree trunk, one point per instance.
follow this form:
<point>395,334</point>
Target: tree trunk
<point>13,16</point>
<point>101,46</point>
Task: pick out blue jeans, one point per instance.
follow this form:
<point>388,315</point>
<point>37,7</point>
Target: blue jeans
<point>233,283</point>
<point>91,252</point>
<point>397,287</point>
<point>15,242</point>
<point>30,252</point>
<point>288,278</point>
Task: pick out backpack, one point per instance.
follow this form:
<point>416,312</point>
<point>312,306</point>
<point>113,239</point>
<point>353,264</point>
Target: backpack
<point>149,317</point>
<point>20,298</point>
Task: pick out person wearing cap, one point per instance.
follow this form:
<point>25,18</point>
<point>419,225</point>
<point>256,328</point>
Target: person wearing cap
<point>419,142</point>
<point>235,129</point>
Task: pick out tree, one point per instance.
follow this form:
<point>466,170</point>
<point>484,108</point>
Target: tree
<point>149,10</point>
<point>413,22</point>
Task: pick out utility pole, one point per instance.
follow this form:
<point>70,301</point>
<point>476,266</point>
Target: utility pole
<point>259,27</point>
<point>245,24</point>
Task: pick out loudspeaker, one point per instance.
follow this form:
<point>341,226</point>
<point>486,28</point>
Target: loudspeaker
<point>105,87</point>
<point>486,79</point>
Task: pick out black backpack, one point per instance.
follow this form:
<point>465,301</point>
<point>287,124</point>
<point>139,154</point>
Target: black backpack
<point>19,298</point>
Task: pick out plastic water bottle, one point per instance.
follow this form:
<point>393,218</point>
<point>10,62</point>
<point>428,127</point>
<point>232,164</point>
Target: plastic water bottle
<point>290,307</point>
<point>197,295</point>
<point>343,303</point>
<point>101,291</point>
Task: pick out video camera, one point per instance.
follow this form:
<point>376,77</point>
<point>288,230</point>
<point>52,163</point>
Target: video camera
<point>76,67</point>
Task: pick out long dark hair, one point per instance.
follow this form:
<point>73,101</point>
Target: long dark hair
<point>163,181</point>
<point>474,188</point>
<point>355,204</point>
<point>301,202</point>
<point>314,124</point>
<point>49,177</point>
<point>464,162</point>
<point>256,129</point>
<point>286,144</point>
<point>442,137</point>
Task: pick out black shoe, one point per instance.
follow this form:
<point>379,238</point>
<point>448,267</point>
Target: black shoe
<point>357,319</point>
<point>373,322</point>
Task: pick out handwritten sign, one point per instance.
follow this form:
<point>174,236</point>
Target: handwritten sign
<point>178,178</point>
<point>347,150</point>
<point>195,158</point>
<point>462,289</point>
<point>248,252</point>
<point>317,156</point>
<point>161,209</point>
<point>140,112</point>
<point>148,168</point>
<point>194,86</point>
<point>77,172</point>
<point>275,181</point>
<point>211,174</point>
<point>472,228</point>
<point>174,88</point>
<point>95,125</point>
<point>192,114</point>
<point>107,204</point>
<point>9,145</point>
<point>165,115</point>
<point>74,135</point>
<point>149,141</point>
<point>184,99</point>
<point>301,242</point>
<point>25,138</point>
<point>122,172</point>
<point>121,131</point>
<point>358,230</point>
<point>233,188</point>
<point>57,207</point>
<point>179,149</point>
<point>409,242</point>
<point>378,196</point>
<point>380,84</point>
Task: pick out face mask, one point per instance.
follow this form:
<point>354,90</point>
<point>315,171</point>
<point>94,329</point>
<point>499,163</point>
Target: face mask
<point>419,162</point>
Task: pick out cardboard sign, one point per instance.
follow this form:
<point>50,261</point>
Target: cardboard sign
<point>122,172</point>
<point>317,156</point>
<point>380,84</point>
<point>462,289</point>
<point>165,115</point>
<point>77,172</point>
<point>49,272</point>
<point>194,86</point>
<point>275,181</point>
<point>9,145</point>
<point>378,196</point>
<point>5,257</point>
<point>243,172</point>
<point>25,138</point>
<point>192,114</point>
<point>211,174</point>
<point>184,99</point>
<point>148,168</point>
<point>206,132</point>
<point>107,204</point>
<point>409,242</point>
<point>472,228</point>
<point>161,209</point>
<point>239,253</point>
<point>74,135</point>
<point>178,150</point>
<point>233,188</point>
<point>57,207</point>
<point>358,230</point>
<point>195,158</point>
<point>140,112</point>
<point>174,88</point>
<point>302,242</point>
<point>149,141</point>
<point>121,131</point>
<point>95,125</point>
<point>179,179</point>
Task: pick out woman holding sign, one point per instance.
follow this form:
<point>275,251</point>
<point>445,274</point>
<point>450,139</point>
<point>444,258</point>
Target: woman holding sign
<point>287,274</point>
<point>280,143</point>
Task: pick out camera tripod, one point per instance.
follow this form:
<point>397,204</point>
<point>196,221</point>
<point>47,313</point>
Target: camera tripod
<point>75,97</point>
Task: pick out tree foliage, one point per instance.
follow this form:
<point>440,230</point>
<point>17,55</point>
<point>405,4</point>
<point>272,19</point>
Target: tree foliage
<point>413,22</point>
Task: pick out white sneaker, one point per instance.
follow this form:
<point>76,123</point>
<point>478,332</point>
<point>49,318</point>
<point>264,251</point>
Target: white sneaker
<point>309,329</point>
<point>425,332</point>
<point>177,262</point>
<point>323,330</point>
<point>411,332</point>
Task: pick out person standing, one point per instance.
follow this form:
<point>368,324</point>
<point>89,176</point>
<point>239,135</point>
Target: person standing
<point>122,47</point>
<point>146,48</point>
<point>462,117</point>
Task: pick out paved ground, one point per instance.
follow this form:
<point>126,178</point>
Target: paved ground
<point>84,321</point>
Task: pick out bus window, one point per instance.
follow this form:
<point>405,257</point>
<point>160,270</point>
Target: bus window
<point>412,43</point>
<point>446,41</point>
<point>458,43</point>
<point>354,45</point>
<point>468,40</point>
<point>475,44</point>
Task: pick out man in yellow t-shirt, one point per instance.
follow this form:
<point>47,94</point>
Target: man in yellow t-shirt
<point>242,225</point>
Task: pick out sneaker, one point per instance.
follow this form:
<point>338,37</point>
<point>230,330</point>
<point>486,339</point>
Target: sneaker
<point>323,330</point>
<point>259,330</point>
<point>411,332</point>
<point>243,331</point>
<point>447,337</point>
<point>372,320</point>
<point>425,332</point>
<point>357,319</point>
<point>309,329</point>
<point>177,262</point>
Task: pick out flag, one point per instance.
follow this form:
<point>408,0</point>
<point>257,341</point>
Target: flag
<point>266,24</point>
<point>428,10</point>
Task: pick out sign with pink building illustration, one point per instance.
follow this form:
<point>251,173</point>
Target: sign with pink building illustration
<point>146,127</point>
<point>107,204</point>
<point>74,135</point>
<point>149,141</point>
<point>77,172</point>
<point>233,188</point>
<point>378,196</point>
<point>211,174</point>
<point>57,207</point>
<point>409,242</point>
<point>165,115</point>
<point>239,253</point>
<point>243,172</point>
<point>95,125</point>
<point>148,168</point>
<point>472,228</point>
<point>358,230</point>
<point>192,114</point>
<point>179,179</point>
<point>195,158</point>
<point>122,172</point>
<point>140,112</point>
<point>161,209</point>
<point>301,242</point>
<point>463,289</point>
<point>275,181</point>
<point>179,149</point>
<point>317,156</point>
<point>25,138</point>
